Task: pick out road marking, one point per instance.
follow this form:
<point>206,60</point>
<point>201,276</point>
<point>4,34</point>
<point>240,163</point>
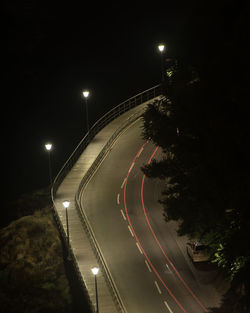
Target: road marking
<point>118,198</point>
<point>153,268</point>
<point>130,231</point>
<point>139,153</point>
<point>149,268</point>
<point>139,248</point>
<point>165,302</point>
<point>123,183</point>
<point>157,286</point>
<point>131,167</point>
<point>123,215</point>
<point>168,268</point>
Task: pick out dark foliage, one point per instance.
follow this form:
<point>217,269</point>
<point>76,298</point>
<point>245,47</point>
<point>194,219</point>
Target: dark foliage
<point>25,205</point>
<point>202,126</point>
<point>35,273</point>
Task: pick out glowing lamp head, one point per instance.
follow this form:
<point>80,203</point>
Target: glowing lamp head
<point>95,270</point>
<point>48,146</point>
<point>66,204</point>
<point>161,47</point>
<point>85,93</point>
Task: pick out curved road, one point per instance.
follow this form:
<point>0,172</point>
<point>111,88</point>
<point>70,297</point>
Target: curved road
<point>146,258</point>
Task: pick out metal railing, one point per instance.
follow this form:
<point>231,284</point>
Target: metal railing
<point>84,219</point>
<point>74,264</point>
<point>100,124</point>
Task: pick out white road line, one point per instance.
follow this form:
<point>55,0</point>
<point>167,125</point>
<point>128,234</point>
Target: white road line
<point>123,183</point>
<point>123,215</point>
<point>168,268</point>
<point>131,167</point>
<point>165,302</point>
<point>157,286</point>
<point>139,153</point>
<point>118,198</point>
<point>139,248</point>
<point>149,268</point>
<point>130,231</point>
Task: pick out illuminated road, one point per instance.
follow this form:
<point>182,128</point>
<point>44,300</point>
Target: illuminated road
<point>147,260</point>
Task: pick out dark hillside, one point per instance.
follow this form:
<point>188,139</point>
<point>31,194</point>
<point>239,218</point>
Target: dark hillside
<point>33,273</point>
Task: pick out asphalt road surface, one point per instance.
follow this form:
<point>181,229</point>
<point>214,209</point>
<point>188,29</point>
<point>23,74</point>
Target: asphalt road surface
<point>146,258</point>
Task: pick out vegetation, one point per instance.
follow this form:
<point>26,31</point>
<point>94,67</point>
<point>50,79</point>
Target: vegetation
<point>202,126</point>
<point>34,276</point>
<point>25,204</point>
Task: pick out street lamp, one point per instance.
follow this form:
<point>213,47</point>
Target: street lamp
<point>66,204</point>
<point>48,147</point>
<point>86,95</point>
<point>95,271</point>
<point>161,48</point>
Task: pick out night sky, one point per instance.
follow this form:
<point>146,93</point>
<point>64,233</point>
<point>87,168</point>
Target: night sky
<point>55,51</point>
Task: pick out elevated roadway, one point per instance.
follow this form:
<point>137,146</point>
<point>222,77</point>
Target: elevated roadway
<point>147,259</point>
<point>78,169</point>
<point>115,222</point>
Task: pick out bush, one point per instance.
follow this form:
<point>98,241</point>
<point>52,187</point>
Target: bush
<point>31,267</point>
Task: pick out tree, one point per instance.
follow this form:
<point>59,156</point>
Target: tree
<point>205,140</point>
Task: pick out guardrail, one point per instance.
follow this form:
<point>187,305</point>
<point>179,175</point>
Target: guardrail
<point>100,124</point>
<point>84,219</point>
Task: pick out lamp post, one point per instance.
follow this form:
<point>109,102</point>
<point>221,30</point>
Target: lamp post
<point>86,95</point>
<point>48,147</point>
<point>161,48</point>
<point>66,204</point>
<point>95,271</point>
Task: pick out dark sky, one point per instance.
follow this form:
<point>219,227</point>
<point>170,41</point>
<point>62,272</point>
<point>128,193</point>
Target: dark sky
<point>55,51</point>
